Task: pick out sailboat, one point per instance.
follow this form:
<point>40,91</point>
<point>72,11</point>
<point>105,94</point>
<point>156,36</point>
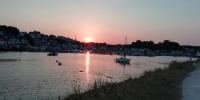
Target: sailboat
<point>123,59</point>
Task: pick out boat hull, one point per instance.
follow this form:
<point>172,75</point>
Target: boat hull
<point>52,54</point>
<point>123,60</point>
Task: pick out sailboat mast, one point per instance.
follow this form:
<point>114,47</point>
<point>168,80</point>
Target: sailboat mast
<point>125,46</point>
<point>125,40</point>
<point>75,37</point>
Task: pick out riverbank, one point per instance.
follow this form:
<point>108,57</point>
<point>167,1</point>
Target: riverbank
<point>162,84</point>
<point>191,88</point>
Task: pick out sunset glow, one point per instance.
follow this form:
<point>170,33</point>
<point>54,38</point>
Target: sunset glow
<point>107,20</point>
<point>88,39</point>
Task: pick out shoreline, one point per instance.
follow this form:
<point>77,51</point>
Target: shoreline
<point>191,86</point>
<point>98,54</point>
<point>161,84</point>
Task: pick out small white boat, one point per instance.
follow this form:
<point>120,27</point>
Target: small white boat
<point>123,60</point>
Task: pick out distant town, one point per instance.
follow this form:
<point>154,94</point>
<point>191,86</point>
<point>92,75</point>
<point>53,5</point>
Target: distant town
<point>12,39</point>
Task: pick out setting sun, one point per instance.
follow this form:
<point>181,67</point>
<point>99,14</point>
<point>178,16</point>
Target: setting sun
<point>88,39</point>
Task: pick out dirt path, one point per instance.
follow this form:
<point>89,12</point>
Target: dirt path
<point>191,86</point>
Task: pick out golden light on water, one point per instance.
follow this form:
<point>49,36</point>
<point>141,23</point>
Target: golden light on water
<point>87,65</point>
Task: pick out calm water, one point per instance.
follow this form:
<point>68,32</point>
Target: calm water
<point>37,76</point>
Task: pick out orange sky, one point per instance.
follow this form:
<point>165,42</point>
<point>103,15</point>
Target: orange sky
<point>107,20</point>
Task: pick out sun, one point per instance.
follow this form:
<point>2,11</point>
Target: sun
<point>88,39</point>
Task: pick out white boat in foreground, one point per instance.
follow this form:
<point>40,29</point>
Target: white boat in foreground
<point>123,60</point>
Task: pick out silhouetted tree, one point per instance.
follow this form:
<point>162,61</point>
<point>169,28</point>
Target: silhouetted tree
<point>168,45</point>
<point>9,31</point>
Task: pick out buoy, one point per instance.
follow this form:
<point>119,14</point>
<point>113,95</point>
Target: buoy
<point>60,63</point>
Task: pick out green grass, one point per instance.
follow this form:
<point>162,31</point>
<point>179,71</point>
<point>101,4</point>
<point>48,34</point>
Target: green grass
<point>161,84</point>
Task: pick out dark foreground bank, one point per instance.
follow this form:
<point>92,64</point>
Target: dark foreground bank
<point>158,85</point>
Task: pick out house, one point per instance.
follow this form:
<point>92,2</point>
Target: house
<point>1,33</point>
<point>35,35</point>
<point>2,42</point>
<point>21,34</point>
<point>198,54</point>
<point>13,41</point>
<point>24,42</point>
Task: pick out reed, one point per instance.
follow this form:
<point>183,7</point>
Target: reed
<point>161,84</point>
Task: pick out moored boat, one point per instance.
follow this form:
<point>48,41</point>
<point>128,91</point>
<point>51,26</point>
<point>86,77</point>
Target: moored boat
<point>52,54</point>
<point>123,59</point>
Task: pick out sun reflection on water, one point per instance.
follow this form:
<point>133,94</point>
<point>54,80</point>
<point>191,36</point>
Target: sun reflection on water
<point>87,64</point>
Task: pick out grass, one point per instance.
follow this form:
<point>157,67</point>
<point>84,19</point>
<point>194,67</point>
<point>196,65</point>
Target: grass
<point>161,84</point>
